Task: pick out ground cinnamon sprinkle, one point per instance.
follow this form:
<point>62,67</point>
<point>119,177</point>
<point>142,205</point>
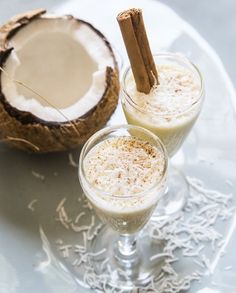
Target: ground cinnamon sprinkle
<point>177,91</point>
<point>124,165</point>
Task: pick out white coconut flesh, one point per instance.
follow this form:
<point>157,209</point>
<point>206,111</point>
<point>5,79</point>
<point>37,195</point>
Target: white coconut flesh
<point>61,59</point>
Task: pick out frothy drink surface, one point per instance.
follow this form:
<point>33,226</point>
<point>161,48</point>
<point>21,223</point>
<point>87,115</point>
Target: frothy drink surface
<point>177,91</point>
<point>170,109</point>
<point>124,165</point>
<point>129,170</point>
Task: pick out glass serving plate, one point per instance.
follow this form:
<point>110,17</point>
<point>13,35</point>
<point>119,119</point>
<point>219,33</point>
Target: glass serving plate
<point>32,186</point>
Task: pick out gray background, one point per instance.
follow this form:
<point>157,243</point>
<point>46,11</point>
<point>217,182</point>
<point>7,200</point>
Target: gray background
<point>215,20</point>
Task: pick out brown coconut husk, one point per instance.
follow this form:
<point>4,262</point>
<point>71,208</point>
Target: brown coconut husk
<point>28,132</point>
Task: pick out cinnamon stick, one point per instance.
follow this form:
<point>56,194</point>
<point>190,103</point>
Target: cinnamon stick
<point>138,49</point>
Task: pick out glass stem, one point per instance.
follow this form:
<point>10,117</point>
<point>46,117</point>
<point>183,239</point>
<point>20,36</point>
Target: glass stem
<point>126,253</point>
<point>127,246</point>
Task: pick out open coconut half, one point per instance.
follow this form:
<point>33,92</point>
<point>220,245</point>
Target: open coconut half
<point>68,78</point>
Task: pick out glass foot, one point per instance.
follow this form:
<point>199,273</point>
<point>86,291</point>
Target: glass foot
<point>135,271</point>
<point>175,196</point>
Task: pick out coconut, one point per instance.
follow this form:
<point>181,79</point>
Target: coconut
<point>59,82</point>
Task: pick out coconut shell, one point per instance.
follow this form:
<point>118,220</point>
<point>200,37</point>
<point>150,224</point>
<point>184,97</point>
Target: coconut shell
<point>28,132</point>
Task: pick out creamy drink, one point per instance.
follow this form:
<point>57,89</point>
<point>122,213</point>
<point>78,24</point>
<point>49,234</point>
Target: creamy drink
<point>125,176</point>
<point>172,106</point>
<point>123,171</point>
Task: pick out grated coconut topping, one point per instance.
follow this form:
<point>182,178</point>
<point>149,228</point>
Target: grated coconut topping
<point>124,165</point>
<point>178,90</point>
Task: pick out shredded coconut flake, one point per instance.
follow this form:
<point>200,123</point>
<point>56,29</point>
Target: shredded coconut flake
<point>159,255</point>
<point>31,205</point>
<point>59,241</point>
<point>38,175</point>
<point>72,161</point>
<point>187,237</point>
<point>228,268</point>
<point>61,204</point>
<point>229,182</point>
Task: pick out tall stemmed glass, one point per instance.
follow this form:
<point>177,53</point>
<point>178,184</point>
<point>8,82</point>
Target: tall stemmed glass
<point>171,127</point>
<point>119,251</point>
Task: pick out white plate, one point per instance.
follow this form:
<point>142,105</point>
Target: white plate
<point>208,154</point>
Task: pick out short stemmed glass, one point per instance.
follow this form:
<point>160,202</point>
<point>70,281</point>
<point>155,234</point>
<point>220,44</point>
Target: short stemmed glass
<point>122,251</point>
<point>172,134</point>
